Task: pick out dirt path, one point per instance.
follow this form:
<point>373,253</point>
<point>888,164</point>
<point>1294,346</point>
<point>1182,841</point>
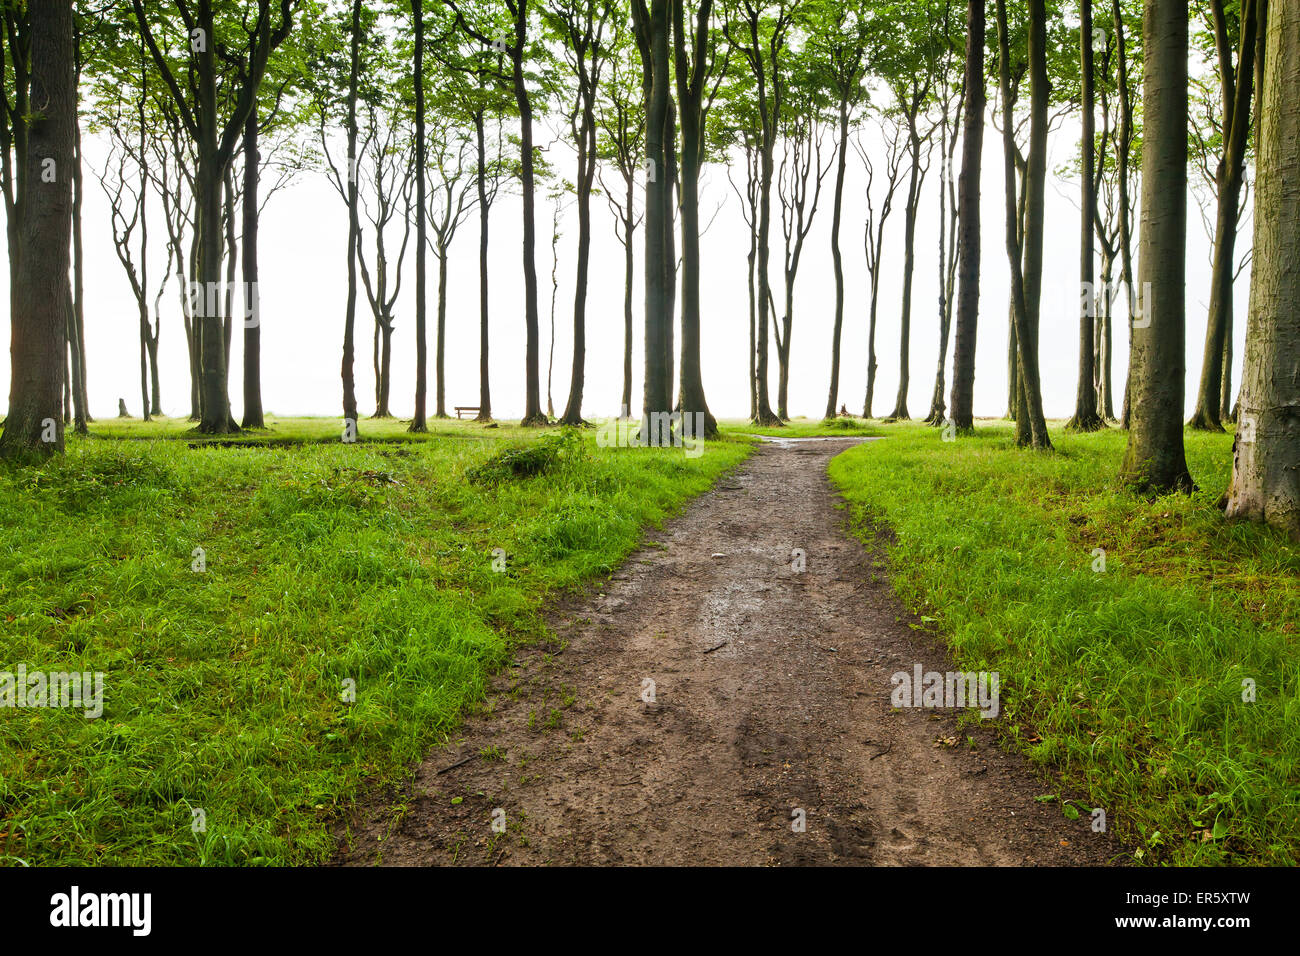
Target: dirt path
<point>771,696</point>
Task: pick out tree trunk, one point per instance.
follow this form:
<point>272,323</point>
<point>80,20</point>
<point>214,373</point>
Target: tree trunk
<point>968,212</point>
<point>833,396</point>
<point>253,417</point>
<point>484,388</point>
<point>1265,482</point>
<point>1026,263</point>
<point>418,421</point>
<point>1237,90</point>
<point>657,396</point>
<point>533,408</point>
<point>690,94</point>
<point>909,261</point>
<point>1085,417</point>
<point>1154,460</point>
<point>43,296</point>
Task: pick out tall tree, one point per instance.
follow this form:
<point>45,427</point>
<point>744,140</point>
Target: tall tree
<point>1025,246</point>
<point>760,34</point>
<point>968,215</point>
<point>581,26</point>
<point>652,31</point>
<point>840,41</point>
<point>1154,460</point>
<point>698,74</point>
<point>892,127</point>
<point>43,296</point>
<point>1236,83</point>
<point>622,125</point>
<point>799,190</point>
<point>200,110</point>
<point>1265,482</point>
<point>518,48</point>
<point>1086,417</point>
<point>949,102</point>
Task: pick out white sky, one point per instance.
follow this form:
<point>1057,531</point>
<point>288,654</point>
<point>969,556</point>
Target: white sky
<point>303,288</point>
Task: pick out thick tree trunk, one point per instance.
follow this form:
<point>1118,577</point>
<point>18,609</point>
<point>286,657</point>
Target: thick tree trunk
<point>43,296</point>
<point>968,213</point>
<point>1265,482</point>
<point>657,392</point>
<point>690,93</point>
<point>1154,460</point>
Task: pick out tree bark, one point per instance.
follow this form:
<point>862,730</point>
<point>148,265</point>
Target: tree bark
<point>1265,482</point>
<point>968,213</point>
<point>1154,460</point>
<point>253,416</point>
<point>1086,418</point>
<point>43,297</point>
<point>1237,86</point>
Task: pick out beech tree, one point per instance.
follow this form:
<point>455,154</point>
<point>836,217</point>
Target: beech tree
<point>1236,84</point>
<point>42,295</point>
<point>1025,245</point>
<point>1265,483</point>
<point>840,41</point>
<point>968,215</point>
<point>216,134</point>
<point>1154,460</point>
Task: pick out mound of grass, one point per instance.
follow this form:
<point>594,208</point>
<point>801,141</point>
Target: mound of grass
<point>529,459</point>
<point>344,614</point>
<point>1131,677</point>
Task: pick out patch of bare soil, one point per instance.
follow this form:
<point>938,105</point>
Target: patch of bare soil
<point>770,705</point>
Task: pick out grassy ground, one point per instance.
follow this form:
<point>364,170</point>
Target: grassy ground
<point>326,565</point>
<point>807,428</point>
<point>1127,680</point>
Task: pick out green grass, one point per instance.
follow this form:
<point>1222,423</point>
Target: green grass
<point>1133,677</point>
<point>326,563</point>
<point>800,427</point>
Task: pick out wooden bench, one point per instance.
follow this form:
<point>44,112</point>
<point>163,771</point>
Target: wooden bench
<point>466,408</point>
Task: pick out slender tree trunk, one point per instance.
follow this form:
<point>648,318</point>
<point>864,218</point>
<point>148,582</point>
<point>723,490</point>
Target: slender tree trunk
<point>1154,460</point>
<point>418,421</point>
<point>629,276</point>
<point>841,163</point>
<point>909,263</point>
<point>484,387</point>
<point>43,297</point>
<point>1026,272</point>
<point>440,348</point>
<point>253,417</point>
<point>532,379</point>
<point>1237,91</point>
<point>1085,417</point>
<point>968,213</point>
<point>585,180</point>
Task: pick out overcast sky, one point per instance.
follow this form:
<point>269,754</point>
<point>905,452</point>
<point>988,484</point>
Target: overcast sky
<point>304,285</point>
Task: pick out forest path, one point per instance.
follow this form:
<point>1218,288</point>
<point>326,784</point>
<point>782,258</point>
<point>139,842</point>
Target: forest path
<point>771,696</point>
